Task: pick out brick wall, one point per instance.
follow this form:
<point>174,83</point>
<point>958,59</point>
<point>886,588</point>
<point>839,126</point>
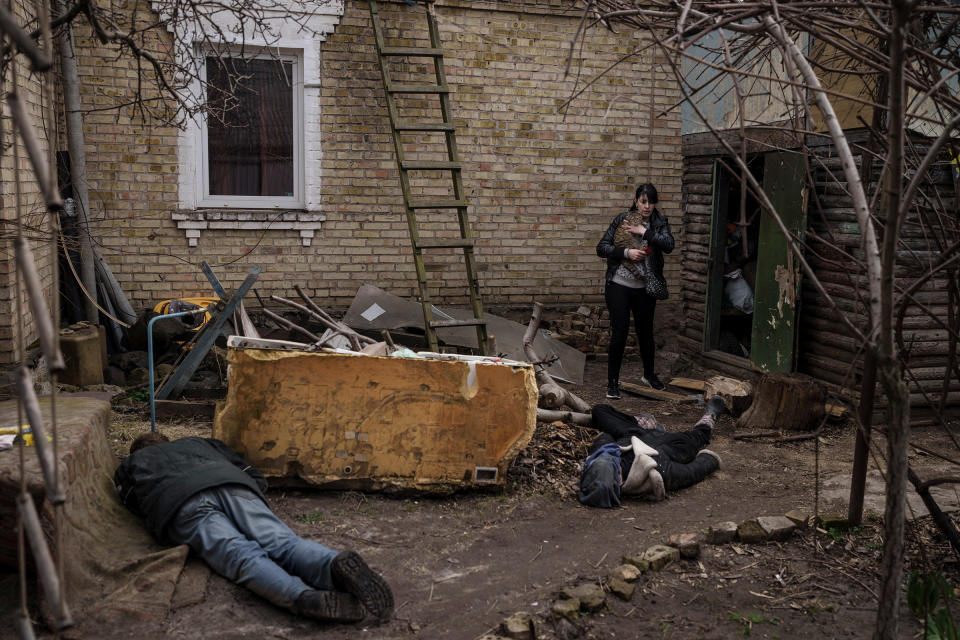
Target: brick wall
<point>543,182</point>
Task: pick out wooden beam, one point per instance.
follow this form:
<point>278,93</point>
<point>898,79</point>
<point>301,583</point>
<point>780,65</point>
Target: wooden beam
<point>653,394</point>
<point>687,383</point>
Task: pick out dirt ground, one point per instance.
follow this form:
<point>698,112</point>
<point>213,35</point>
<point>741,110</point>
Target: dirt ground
<point>459,565</point>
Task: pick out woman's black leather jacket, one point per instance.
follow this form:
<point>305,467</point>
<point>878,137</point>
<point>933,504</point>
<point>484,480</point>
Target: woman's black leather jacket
<point>658,237</point>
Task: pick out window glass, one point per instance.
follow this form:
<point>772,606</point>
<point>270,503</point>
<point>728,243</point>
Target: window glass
<point>250,127</point>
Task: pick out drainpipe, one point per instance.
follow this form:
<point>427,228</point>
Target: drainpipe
<point>78,166</point>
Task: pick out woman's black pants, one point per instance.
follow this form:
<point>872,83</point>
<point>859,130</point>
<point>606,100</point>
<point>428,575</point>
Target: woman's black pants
<point>621,302</point>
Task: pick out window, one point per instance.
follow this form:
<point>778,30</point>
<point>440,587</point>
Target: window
<point>252,134</point>
<point>253,161</point>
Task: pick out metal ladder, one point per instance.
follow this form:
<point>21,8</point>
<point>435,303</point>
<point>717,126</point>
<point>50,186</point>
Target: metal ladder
<point>400,126</point>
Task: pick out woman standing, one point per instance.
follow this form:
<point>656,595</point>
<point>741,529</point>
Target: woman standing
<point>634,246</point>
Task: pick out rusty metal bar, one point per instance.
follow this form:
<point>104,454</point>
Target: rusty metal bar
<point>24,627</point>
<point>39,60</point>
<point>40,167</point>
<point>38,306</point>
<point>46,570</point>
<point>35,418</point>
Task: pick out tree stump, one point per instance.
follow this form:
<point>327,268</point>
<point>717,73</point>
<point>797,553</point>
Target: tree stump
<point>736,394</point>
<point>788,402</point>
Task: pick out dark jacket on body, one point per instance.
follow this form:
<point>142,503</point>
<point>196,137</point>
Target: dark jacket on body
<point>155,481</point>
<point>658,238</point>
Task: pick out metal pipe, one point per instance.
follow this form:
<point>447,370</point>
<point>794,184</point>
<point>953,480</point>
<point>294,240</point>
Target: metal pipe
<point>47,464</point>
<point>40,167</point>
<point>73,111</point>
<point>153,403</point>
<point>24,627</point>
<point>38,306</point>
<point>41,555</point>
<point>39,60</point>
<point>120,303</point>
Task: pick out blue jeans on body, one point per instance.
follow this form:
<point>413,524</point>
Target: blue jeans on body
<point>238,535</point>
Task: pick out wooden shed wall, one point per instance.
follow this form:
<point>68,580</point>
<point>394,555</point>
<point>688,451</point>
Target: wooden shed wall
<point>825,349</point>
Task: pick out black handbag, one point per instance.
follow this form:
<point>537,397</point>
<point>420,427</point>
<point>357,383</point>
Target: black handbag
<point>656,287</point>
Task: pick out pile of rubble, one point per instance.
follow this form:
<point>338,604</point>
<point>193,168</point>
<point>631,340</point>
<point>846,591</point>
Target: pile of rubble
<point>131,369</point>
<point>553,460</point>
<point>588,330</point>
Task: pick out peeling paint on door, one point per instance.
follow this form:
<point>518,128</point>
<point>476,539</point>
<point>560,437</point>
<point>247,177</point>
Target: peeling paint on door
<point>787,281</point>
<point>778,278</point>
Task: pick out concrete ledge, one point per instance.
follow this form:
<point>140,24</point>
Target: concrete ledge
<point>101,541</point>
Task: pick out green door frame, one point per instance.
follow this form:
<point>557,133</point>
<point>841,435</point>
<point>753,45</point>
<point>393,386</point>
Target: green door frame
<point>777,295</point>
<point>711,316</point>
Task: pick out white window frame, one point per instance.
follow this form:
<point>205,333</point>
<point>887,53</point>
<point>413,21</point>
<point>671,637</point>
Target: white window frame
<point>193,215</point>
<point>203,197</point>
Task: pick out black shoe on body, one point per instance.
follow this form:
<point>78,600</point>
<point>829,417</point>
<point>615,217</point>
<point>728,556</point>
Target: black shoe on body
<point>613,389</point>
<point>652,381</point>
<point>352,574</point>
<point>329,606</point>
<point>716,407</point>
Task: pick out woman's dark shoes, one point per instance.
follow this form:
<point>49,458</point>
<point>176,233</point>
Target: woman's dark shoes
<point>652,381</point>
<point>351,574</point>
<point>613,389</point>
<point>328,606</point>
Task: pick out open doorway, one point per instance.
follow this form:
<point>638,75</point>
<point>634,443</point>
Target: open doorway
<point>736,233</point>
<point>753,281</point>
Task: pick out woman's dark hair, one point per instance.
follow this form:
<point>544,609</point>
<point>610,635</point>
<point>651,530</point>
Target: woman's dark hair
<point>147,439</point>
<point>646,189</point>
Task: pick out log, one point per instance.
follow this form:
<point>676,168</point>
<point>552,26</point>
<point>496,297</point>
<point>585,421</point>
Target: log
<point>790,402</point>
<point>573,417</point>
<point>653,394</point>
<point>736,394</point>
<point>552,395</point>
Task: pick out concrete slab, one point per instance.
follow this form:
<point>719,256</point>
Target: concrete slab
<point>113,568</point>
<point>836,492</point>
<point>371,422</point>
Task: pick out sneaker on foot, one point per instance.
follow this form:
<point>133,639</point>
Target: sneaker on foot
<point>328,606</point>
<point>613,389</point>
<point>652,381</point>
<point>352,574</point>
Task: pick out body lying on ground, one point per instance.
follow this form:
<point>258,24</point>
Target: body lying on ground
<point>634,455</point>
<point>199,492</point>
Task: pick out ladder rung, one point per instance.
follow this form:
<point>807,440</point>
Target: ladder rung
<point>436,204</point>
<point>417,164</point>
<point>417,88</point>
<point>410,125</point>
<point>444,243</point>
<point>412,51</point>
<point>438,324</point>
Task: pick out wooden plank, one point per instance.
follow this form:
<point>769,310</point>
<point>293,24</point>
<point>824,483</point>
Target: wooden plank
<point>184,409</point>
<point>835,410</point>
<point>687,383</point>
<point>653,394</point>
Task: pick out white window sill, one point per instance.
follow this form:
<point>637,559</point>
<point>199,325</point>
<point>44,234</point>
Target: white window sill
<point>193,222</point>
